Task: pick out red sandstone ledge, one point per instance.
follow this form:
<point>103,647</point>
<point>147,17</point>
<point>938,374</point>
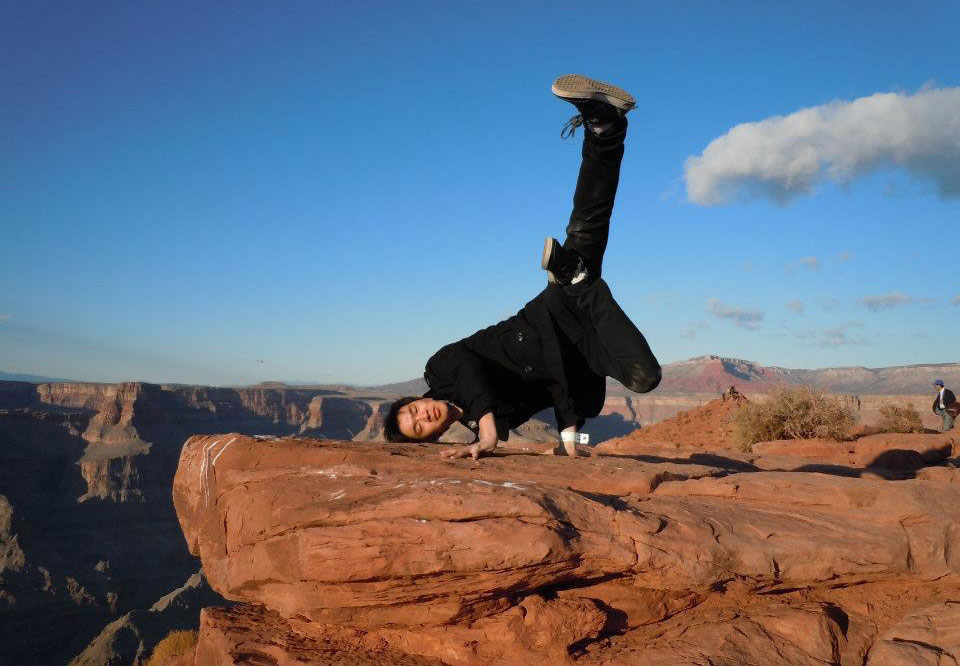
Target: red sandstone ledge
<point>521,559</point>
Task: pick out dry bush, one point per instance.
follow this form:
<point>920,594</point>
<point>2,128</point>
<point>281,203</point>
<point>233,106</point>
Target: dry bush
<point>174,644</point>
<point>900,418</point>
<point>793,414</point>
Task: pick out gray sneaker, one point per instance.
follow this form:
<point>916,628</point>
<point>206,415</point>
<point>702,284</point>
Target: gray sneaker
<point>602,106</point>
<point>575,88</point>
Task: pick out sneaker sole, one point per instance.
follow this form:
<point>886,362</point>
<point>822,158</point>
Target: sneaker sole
<point>574,86</point>
<point>549,247</point>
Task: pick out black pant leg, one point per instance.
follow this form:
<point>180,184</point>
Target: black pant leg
<point>611,343</point>
<point>589,224</point>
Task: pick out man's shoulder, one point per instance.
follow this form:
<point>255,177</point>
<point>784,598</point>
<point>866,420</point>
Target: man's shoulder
<point>447,351</point>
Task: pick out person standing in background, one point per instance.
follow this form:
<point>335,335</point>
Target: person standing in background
<point>945,405</point>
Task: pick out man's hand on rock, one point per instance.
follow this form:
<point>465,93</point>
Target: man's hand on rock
<point>473,451</point>
<point>486,441</point>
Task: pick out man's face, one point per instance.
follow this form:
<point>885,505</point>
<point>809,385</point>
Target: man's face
<point>424,419</point>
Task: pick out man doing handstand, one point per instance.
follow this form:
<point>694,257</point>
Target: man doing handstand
<point>559,349</point>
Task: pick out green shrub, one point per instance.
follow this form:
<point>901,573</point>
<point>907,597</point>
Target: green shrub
<point>900,418</point>
<point>793,414</point>
<point>174,644</point>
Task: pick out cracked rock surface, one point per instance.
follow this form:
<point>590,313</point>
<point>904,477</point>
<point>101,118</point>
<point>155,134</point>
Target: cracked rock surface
<point>383,551</point>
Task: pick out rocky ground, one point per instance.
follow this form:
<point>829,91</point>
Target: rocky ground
<point>645,552</point>
<point>90,545</point>
<point>710,426</point>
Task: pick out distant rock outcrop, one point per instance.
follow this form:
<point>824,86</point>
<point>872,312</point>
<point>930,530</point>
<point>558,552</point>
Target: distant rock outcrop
<point>709,425</point>
<point>523,559</point>
<point>713,374</point>
<point>131,638</point>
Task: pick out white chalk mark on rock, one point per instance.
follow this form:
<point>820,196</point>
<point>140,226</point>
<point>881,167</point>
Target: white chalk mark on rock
<point>225,447</point>
<point>206,464</point>
<point>505,484</point>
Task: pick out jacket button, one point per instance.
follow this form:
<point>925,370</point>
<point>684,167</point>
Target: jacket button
<point>528,369</point>
<point>519,337</point>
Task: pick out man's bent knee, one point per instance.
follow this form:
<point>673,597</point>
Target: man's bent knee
<point>643,379</point>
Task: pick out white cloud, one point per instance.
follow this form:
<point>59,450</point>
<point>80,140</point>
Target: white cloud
<point>805,262</point>
<point>743,318</point>
<point>797,307</point>
<point>832,337</point>
<point>782,157</point>
<point>663,297</point>
<point>886,301</point>
<point>830,304</point>
<point>838,337</point>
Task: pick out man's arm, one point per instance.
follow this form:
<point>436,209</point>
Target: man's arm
<point>455,373</point>
<point>486,441</point>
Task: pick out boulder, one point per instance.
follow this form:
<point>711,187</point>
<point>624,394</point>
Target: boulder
<point>927,636</point>
<point>524,558</point>
<point>782,636</point>
<point>894,451</point>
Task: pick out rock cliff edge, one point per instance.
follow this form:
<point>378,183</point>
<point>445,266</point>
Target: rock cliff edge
<point>391,555</point>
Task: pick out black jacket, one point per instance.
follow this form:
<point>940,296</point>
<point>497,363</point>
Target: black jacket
<point>520,366</point>
<point>948,399</point>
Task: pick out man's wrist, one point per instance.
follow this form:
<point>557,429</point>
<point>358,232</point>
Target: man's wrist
<point>575,437</point>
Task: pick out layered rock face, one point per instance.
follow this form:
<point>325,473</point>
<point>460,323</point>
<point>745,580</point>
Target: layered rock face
<point>50,584</point>
<point>385,552</point>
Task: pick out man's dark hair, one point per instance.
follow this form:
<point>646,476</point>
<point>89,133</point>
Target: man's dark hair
<point>391,428</point>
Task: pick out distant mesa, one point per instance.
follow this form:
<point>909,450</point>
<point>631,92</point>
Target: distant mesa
<point>713,374</point>
<point>271,385</point>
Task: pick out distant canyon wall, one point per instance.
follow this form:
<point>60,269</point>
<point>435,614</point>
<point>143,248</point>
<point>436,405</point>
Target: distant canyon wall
<point>87,526</point>
<point>713,374</point>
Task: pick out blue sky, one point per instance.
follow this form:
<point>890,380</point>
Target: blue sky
<point>235,192</point>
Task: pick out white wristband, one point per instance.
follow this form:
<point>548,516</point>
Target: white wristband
<point>575,437</point>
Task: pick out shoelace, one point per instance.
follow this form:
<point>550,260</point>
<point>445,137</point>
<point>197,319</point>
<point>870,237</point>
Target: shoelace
<point>570,128</point>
